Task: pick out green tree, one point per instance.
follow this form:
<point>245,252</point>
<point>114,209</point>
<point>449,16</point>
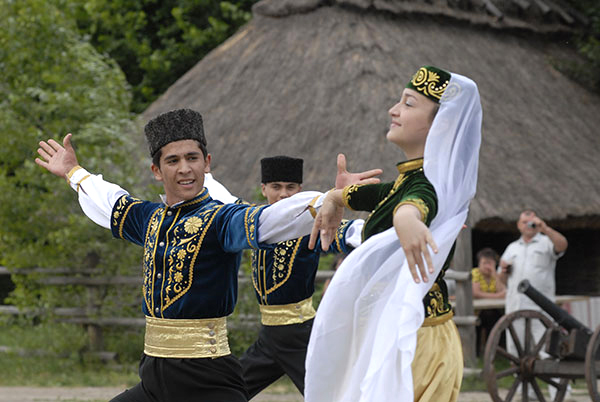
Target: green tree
<point>156,42</point>
<point>587,42</point>
<point>54,82</point>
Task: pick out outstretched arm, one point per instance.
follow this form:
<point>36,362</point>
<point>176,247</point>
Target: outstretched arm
<point>96,196</point>
<point>330,214</point>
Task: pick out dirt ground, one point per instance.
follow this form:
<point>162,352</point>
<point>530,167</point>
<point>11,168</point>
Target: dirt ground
<point>35,394</point>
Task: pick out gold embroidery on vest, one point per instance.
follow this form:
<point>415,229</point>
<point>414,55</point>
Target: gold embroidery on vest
<point>149,261</point>
<point>188,236</point>
<point>250,223</point>
<point>120,211</point>
<point>284,255</point>
<point>436,306</point>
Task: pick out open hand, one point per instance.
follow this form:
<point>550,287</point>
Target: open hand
<point>57,159</point>
<point>415,238</point>
<point>327,221</point>
<point>345,178</point>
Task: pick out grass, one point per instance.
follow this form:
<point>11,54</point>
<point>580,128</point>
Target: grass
<point>51,355</point>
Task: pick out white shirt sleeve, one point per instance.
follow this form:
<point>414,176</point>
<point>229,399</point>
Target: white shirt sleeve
<point>289,218</point>
<point>218,191</point>
<point>286,219</point>
<point>354,233</point>
<point>96,196</point>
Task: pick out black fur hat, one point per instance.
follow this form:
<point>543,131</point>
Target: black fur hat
<point>176,125</point>
<point>281,168</point>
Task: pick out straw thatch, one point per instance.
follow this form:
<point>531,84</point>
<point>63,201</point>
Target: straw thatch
<point>311,78</point>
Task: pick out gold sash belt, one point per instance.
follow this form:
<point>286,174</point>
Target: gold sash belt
<point>286,314</point>
<point>186,338</point>
<point>437,320</point>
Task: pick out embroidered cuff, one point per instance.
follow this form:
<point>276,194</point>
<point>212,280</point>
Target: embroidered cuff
<point>419,204</point>
<point>76,176</point>
<point>346,195</point>
<point>72,171</point>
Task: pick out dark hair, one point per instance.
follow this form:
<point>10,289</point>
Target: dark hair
<point>487,253</point>
<point>158,154</point>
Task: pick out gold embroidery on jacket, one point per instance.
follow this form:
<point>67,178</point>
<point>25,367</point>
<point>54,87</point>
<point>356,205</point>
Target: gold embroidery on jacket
<point>120,211</point>
<point>347,194</point>
<point>284,255</point>
<point>437,306</point>
<point>417,203</point>
<point>250,221</point>
<point>186,243</point>
<point>149,262</point>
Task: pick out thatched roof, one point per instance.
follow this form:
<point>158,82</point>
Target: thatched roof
<point>311,80</point>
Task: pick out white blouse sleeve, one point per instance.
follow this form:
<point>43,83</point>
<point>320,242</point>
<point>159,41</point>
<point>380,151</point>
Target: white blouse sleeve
<point>218,191</point>
<point>354,233</point>
<point>289,218</point>
<point>96,196</point>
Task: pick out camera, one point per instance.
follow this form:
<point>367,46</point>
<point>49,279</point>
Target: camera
<point>531,224</point>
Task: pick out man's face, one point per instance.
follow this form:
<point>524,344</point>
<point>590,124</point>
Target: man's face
<point>522,224</point>
<point>182,168</point>
<point>278,190</point>
<point>411,120</point>
<point>486,266</point>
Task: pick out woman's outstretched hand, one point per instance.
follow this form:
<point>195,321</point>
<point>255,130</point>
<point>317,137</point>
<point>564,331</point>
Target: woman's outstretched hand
<point>327,220</point>
<point>345,178</point>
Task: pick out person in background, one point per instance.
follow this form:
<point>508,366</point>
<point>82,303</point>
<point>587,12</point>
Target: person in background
<point>533,257</point>
<point>283,278</point>
<point>486,285</point>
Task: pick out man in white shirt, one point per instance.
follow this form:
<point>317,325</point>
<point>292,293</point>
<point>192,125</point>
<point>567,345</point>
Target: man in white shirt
<point>533,257</point>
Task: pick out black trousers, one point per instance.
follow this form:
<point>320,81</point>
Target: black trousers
<point>278,350</point>
<point>177,380</point>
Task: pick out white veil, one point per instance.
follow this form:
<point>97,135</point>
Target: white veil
<point>364,336</point>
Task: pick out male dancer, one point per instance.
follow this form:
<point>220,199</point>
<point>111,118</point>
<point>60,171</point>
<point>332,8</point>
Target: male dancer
<point>283,279</point>
<point>192,249</point>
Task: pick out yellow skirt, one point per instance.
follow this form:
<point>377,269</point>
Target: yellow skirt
<point>438,365</point>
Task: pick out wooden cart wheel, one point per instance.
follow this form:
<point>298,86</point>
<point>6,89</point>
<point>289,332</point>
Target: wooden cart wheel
<point>518,368</point>
<point>592,365</point>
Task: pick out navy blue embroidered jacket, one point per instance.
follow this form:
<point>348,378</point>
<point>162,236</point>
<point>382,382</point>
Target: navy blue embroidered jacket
<point>192,252</point>
<point>286,273</point>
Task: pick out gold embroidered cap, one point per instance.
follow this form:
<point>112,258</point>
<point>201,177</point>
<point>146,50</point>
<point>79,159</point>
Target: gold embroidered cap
<point>430,81</point>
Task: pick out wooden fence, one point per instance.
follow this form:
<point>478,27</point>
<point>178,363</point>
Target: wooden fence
<point>88,315</point>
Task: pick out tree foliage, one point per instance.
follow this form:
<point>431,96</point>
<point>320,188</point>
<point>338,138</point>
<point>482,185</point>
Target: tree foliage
<point>54,82</point>
<point>156,42</point>
<point>587,42</point>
